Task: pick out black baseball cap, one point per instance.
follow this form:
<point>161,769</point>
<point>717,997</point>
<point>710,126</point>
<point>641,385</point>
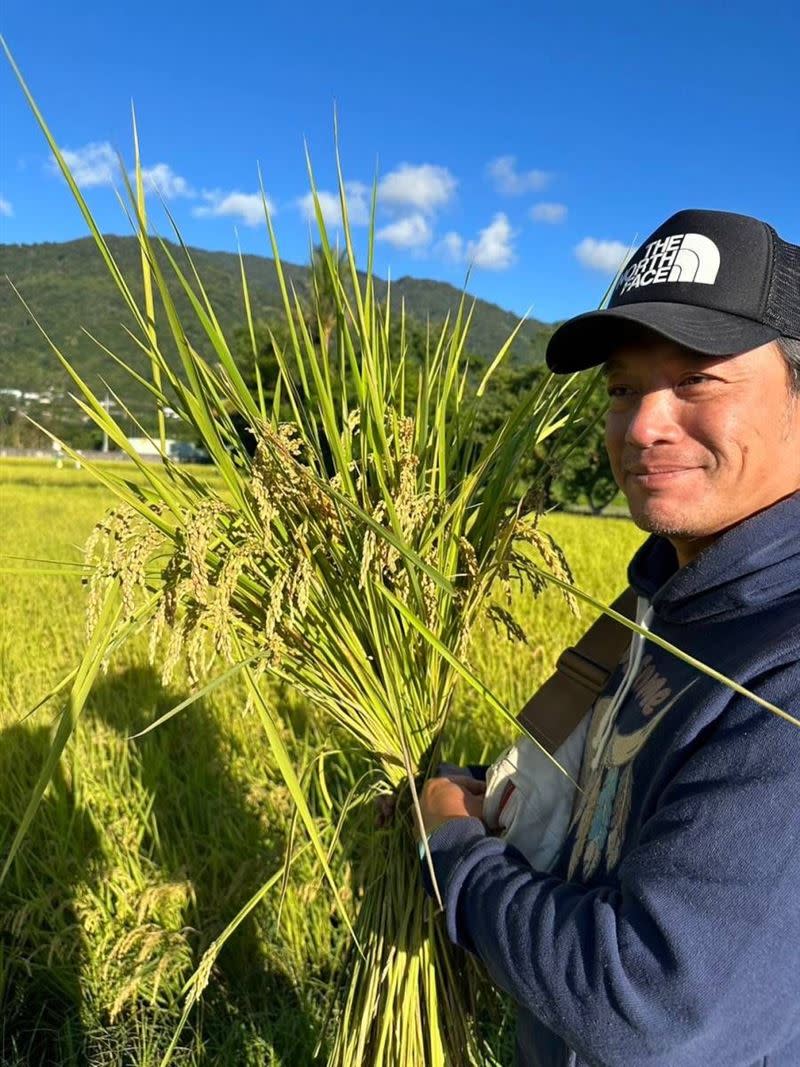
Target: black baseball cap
<point>712,281</point>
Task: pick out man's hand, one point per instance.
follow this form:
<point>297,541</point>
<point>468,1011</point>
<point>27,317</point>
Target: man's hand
<point>450,798</point>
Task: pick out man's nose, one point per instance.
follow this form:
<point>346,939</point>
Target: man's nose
<point>653,420</point>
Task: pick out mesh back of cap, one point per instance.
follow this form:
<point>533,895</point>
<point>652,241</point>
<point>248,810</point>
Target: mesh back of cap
<point>783,301</point>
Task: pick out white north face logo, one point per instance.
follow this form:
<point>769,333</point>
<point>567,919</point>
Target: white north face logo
<point>684,257</point>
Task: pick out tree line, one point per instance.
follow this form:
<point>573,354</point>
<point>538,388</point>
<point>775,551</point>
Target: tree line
<point>576,462</point>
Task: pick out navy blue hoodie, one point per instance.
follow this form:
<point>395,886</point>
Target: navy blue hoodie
<point>668,932</point>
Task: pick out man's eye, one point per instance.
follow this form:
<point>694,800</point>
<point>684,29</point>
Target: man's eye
<point>694,379</point>
<point>618,390</point>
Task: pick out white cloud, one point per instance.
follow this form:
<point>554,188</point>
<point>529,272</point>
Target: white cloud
<point>357,205</point>
<point>451,247</point>
<point>512,182</point>
<point>94,164</point>
<point>551,213</point>
<point>329,206</point>
<point>411,232</point>
<point>246,207</point>
<point>605,256</point>
<point>425,187</point>
<point>494,248</point>
<point>359,197</point>
<point>163,180</point>
<point>97,164</point>
<point>5,208</point>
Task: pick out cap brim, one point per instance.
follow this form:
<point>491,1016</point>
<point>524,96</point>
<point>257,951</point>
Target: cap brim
<point>590,339</point>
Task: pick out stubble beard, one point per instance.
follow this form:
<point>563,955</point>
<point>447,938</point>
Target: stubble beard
<point>665,526</point>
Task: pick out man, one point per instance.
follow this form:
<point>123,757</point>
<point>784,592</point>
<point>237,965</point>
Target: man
<point>667,931</point>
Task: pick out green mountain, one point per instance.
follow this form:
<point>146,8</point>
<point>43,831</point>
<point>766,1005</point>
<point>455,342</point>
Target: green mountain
<point>69,290</point>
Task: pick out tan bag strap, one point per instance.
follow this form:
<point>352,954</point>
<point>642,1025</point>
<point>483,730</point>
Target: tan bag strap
<point>581,674</point>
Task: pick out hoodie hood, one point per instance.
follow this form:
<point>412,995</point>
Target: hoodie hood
<point>754,563</point>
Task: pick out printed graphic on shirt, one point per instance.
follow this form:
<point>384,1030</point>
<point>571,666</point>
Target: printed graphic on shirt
<point>683,257</point>
<point>602,809</point>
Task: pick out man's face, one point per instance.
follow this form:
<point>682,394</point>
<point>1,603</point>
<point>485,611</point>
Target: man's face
<point>699,443</point>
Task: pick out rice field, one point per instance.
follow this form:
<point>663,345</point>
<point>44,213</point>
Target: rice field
<point>144,849</point>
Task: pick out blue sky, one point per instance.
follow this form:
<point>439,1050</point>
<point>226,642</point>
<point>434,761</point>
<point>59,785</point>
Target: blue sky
<point>532,141</point>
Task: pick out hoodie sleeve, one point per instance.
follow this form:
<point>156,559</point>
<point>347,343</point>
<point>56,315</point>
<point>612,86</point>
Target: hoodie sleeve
<point>692,957</point>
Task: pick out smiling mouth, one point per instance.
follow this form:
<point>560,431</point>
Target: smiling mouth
<point>659,470</point>
<point>655,477</point>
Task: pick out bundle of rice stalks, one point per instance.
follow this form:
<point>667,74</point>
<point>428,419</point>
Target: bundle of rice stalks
<point>351,551</point>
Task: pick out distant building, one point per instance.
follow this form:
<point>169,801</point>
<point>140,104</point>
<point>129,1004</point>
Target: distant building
<point>179,451</point>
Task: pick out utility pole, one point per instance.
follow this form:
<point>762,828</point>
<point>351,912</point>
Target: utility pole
<point>106,405</point>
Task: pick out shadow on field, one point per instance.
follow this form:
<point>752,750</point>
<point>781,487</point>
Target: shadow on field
<point>42,949</point>
<point>200,829</point>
